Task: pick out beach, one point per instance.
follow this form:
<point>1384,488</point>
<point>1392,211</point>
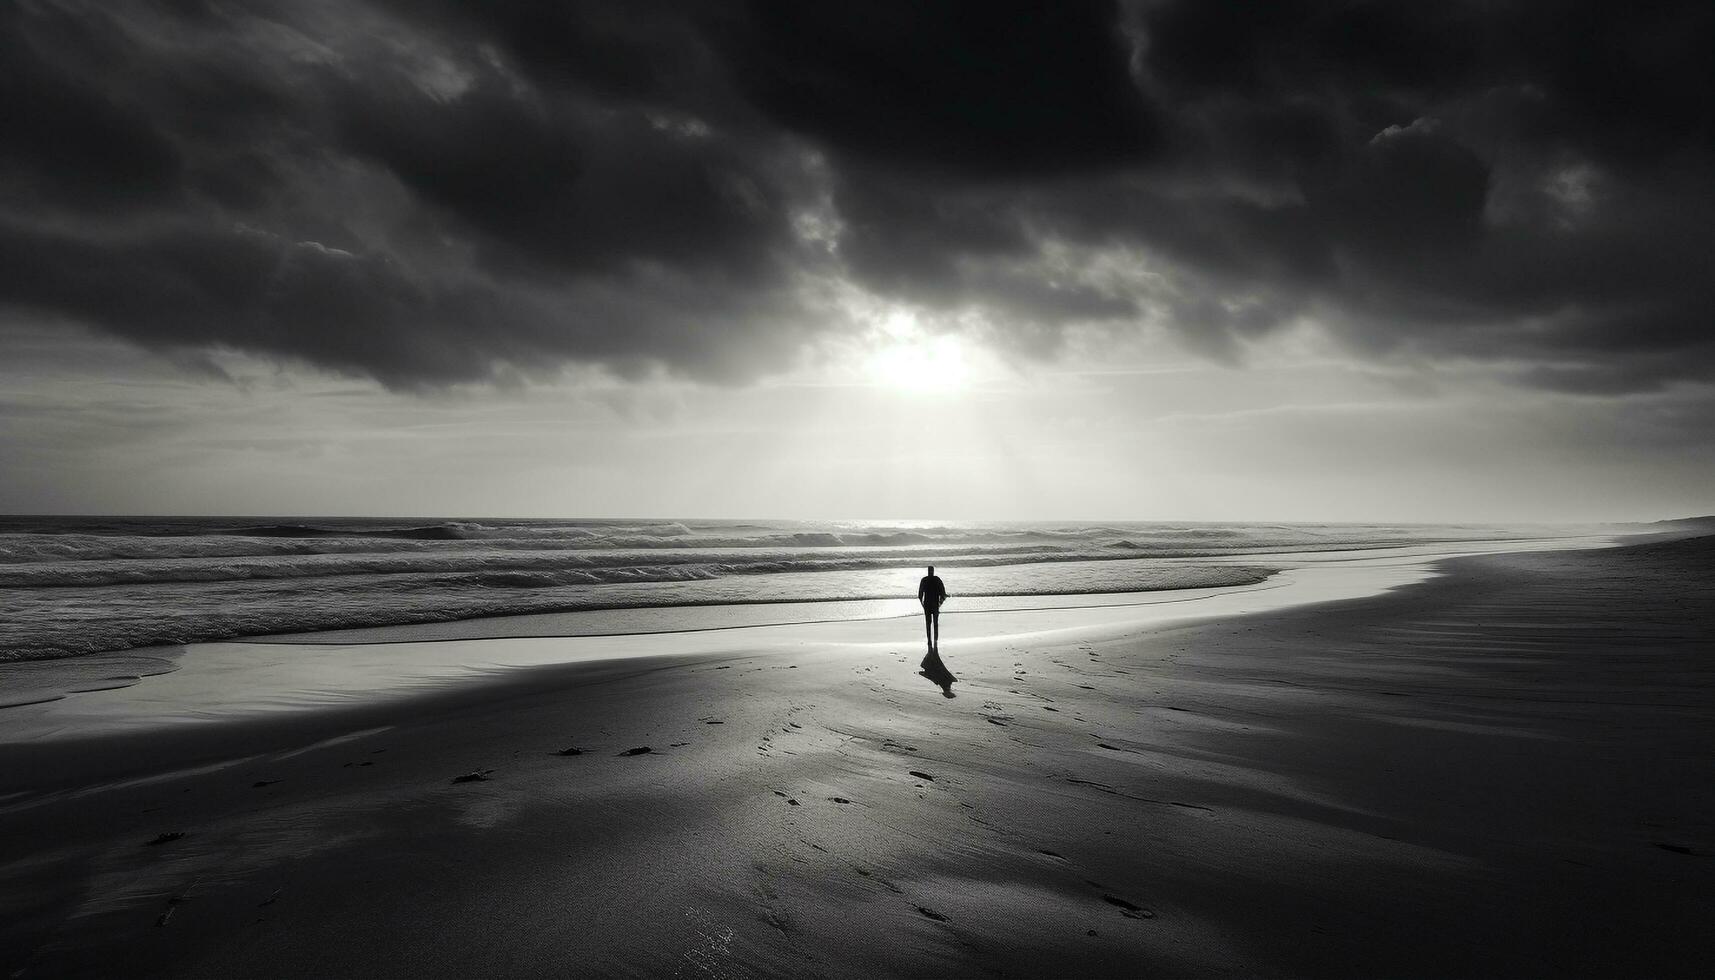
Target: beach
<point>479,484</point>
<point>1498,767</point>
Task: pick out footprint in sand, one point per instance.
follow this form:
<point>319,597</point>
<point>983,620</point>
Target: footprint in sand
<point>1129,909</point>
<point>570,750</point>
<point>166,838</point>
<point>172,905</point>
<point>930,913</point>
<point>478,776</point>
<point>920,775</point>
<point>883,882</point>
<point>640,750</point>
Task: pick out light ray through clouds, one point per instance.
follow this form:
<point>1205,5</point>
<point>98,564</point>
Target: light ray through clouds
<point>1156,260</point>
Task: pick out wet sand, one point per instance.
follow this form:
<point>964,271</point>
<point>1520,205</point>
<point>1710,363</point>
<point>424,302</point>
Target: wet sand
<point>1504,770</point>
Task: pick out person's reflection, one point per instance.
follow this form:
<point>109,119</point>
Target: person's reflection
<point>937,673</point>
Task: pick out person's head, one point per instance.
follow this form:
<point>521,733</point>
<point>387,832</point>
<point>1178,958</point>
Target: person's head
<point>931,569</point>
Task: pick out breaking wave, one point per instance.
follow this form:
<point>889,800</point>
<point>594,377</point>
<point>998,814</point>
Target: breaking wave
<point>71,586</point>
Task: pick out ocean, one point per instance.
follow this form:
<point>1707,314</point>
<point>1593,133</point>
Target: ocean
<point>79,585</point>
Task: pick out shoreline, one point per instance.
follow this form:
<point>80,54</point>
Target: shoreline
<point>60,609</point>
<point>564,622</point>
<point>75,697</point>
<point>1500,769</point>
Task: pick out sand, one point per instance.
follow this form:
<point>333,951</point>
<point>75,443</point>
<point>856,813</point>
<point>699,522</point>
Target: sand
<point>1502,770</point>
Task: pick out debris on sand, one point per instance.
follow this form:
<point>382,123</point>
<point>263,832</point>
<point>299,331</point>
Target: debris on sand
<point>173,902</point>
<point>640,750</point>
<point>478,776</point>
<point>166,838</point>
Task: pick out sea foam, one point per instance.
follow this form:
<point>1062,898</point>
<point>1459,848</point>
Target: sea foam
<point>71,586</point>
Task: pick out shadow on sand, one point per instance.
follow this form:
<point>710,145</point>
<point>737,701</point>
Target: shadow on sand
<point>937,673</point>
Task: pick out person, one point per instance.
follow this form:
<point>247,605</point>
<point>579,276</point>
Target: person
<point>931,592</point>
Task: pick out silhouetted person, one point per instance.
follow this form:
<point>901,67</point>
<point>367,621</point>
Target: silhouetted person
<point>931,592</point>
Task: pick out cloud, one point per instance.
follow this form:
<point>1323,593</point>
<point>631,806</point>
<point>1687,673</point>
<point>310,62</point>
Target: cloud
<point>435,193</point>
<point>960,89</point>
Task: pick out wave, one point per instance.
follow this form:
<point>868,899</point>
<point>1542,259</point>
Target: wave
<point>460,531</point>
<point>618,566</point>
<point>474,531</point>
<point>77,585</point>
<point>34,626</point>
<point>297,539</point>
<point>432,532</point>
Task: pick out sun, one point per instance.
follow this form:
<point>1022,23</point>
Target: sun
<point>920,363</point>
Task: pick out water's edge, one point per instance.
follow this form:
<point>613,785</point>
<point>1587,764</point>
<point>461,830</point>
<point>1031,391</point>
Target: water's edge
<point>214,682</point>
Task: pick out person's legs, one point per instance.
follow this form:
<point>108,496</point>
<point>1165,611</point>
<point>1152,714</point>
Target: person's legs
<point>935,620</point>
<point>928,629</point>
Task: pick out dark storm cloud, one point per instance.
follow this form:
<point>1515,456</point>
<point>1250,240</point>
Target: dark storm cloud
<point>967,90</point>
<point>380,197</point>
<point>66,139</point>
<point>437,192</point>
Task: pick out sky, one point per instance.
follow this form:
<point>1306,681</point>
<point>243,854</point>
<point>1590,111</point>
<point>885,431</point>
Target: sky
<point>888,260</point>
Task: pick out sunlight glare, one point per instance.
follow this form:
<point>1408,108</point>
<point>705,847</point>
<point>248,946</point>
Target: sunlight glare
<point>921,364</point>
